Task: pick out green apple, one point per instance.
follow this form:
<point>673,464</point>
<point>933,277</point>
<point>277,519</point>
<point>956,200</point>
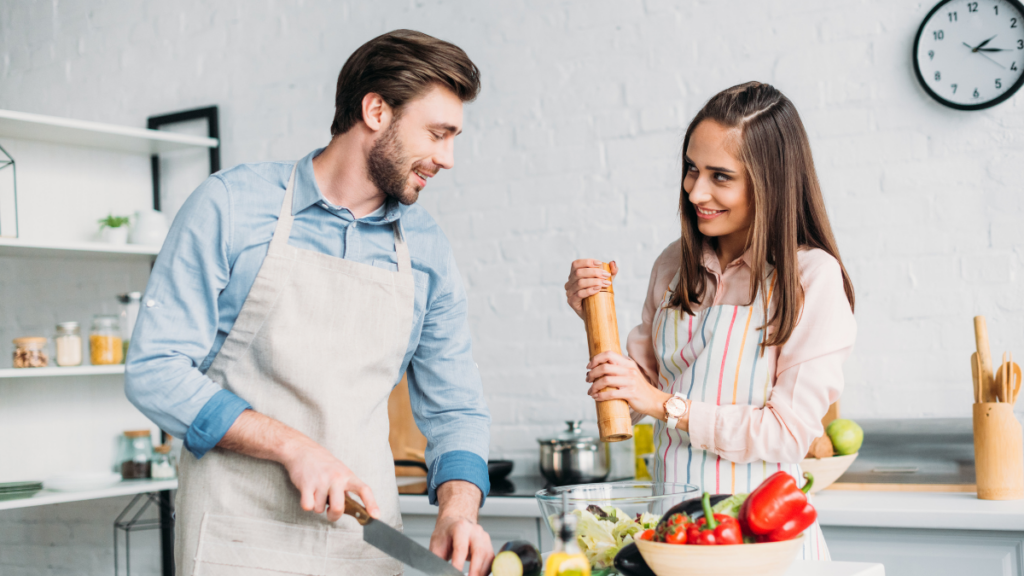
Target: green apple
<point>846,436</point>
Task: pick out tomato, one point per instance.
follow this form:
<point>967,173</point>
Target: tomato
<point>676,535</point>
<point>646,535</point>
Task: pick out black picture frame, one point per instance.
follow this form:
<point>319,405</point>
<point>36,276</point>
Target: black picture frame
<point>955,105</point>
<point>208,113</point>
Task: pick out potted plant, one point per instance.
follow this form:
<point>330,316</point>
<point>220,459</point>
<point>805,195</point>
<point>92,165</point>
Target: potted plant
<point>114,229</point>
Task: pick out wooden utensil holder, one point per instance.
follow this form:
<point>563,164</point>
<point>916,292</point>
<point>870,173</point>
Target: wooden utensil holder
<point>613,421</point>
<point>998,452</point>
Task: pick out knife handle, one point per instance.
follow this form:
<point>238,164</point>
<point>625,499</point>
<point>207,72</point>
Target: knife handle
<point>356,510</point>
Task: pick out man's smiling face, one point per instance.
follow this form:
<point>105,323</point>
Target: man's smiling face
<point>416,145</point>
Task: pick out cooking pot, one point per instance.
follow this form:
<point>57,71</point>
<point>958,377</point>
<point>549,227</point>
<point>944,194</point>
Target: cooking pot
<point>573,456</point>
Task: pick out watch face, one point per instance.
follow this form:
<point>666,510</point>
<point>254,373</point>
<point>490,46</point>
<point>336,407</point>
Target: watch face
<point>675,406</point>
<point>969,55</point>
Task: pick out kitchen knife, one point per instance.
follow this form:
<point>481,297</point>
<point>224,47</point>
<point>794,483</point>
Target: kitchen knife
<point>397,545</point>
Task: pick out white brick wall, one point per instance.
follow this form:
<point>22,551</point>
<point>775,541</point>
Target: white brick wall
<point>572,151</point>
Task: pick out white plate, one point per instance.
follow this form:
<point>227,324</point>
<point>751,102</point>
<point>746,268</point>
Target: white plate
<point>81,481</point>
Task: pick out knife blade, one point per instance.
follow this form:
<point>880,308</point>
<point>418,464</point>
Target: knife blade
<point>397,545</point>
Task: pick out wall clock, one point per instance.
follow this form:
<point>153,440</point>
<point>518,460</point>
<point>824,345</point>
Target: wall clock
<point>969,54</point>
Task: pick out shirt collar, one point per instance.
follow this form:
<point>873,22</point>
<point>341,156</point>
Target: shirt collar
<point>711,259</point>
<point>307,193</point>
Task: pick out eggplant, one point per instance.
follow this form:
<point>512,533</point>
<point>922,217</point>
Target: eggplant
<point>629,562</point>
<point>691,508</point>
<point>517,558</point>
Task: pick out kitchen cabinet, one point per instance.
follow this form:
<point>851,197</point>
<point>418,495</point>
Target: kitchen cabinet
<point>910,552</point>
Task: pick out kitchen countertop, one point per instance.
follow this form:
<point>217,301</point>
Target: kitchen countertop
<point>835,508</point>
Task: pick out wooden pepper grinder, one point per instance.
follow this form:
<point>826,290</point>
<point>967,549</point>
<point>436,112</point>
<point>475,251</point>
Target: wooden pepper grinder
<point>613,421</point>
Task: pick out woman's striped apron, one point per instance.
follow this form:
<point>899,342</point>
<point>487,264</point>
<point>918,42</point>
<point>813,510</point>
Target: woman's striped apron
<point>714,356</point>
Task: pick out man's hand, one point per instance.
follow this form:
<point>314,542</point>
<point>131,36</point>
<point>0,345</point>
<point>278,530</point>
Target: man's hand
<point>457,536</point>
<point>321,478</point>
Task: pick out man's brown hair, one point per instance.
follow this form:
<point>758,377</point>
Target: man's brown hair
<point>399,66</point>
<point>789,212</point>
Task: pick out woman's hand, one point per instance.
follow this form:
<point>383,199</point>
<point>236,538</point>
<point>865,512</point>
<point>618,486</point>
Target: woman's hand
<point>613,376</point>
<point>586,278</point>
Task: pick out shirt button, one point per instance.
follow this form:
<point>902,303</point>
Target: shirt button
<point>150,303</point>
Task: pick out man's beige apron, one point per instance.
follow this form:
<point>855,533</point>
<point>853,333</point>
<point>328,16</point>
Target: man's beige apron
<point>318,346</point>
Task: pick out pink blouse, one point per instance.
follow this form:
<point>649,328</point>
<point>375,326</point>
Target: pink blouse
<point>807,370</point>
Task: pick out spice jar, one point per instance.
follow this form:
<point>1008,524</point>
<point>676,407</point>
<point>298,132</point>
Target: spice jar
<point>130,303</point>
<point>136,455</point>
<point>30,352</point>
<point>69,344</point>
<point>105,341</point>
<point>163,467</point>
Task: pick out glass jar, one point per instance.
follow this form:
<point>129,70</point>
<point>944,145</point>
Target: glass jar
<point>129,314</point>
<point>163,463</point>
<point>136,455</point>
<point>105,341</point>
<point>69,344</point>
<point>30,352</point>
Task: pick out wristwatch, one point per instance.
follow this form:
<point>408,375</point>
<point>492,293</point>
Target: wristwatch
<point>675,408</point>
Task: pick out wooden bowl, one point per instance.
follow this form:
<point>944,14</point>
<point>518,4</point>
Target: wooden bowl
<point>826,470</point>
<point>770,559</point>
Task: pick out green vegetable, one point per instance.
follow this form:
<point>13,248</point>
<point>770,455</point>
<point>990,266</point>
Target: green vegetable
<point>730,506</point>
<point>517,558</point>
<point>112,221</point>
<point>600,537</point>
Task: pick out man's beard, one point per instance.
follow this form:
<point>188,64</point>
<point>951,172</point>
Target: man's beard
<point>386,167</point>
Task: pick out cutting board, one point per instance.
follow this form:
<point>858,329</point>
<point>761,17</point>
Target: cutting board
<point>406,440</point>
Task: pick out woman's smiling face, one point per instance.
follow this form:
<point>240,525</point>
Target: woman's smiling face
<point>716,183</point>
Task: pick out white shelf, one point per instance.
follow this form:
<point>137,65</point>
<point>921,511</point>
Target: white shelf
<point>17,246</point>
<point>26,126</point>
<point>123,488</point>
<point>58,371</point>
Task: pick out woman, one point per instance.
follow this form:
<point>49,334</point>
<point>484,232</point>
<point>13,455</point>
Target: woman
<point>739,388</point>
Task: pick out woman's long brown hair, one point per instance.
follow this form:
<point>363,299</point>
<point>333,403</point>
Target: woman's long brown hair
<point>789,212</point>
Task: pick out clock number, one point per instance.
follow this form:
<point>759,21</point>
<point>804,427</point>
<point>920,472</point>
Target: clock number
<point>1020,44</point>
<point>1013,66</point>
<point>973,7</point>
<point>999,83</point>
<point>976,95</point>
<point>1013,22</point>
<point>939,34</point>
<point>997,10</point>
<point>952,16</point>
<point>931,54</point>
<point>954,88</point>
<point>938,76</point>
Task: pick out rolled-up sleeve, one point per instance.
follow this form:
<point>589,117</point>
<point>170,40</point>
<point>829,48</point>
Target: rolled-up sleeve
<point>808,378</point>
<point>177,325</point>
<point>446,393</point>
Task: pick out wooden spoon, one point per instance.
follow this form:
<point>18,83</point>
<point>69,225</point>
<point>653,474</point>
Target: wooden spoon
<point>974,376</point>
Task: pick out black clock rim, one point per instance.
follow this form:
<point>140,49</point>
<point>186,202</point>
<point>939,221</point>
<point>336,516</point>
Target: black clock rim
<point>920,79</point>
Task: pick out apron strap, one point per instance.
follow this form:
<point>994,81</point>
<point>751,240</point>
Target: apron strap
<point>284,220</point>
<point>402,249</point>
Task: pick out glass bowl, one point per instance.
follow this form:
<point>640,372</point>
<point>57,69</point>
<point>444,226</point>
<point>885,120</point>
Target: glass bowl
<point>633,498</point>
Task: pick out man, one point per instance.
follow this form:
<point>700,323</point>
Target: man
<point>286,304</point>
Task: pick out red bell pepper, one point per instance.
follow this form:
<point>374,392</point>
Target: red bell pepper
<point>774,502</point>
<point>714,529</point>
<point>792,527</point>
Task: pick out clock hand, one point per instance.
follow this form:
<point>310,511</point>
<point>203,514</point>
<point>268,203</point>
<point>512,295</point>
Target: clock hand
<point>975,49</point>
<point>993,49</point>
<point>993,61</point>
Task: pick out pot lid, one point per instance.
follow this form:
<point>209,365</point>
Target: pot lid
<point>573,434</point>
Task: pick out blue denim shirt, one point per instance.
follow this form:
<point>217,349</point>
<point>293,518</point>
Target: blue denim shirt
<point>209,262</point>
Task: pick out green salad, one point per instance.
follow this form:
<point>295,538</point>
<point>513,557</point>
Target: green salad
<point>602,532</point>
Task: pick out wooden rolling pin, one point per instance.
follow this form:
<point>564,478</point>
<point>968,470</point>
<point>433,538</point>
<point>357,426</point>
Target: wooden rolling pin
<point>613,422</point>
